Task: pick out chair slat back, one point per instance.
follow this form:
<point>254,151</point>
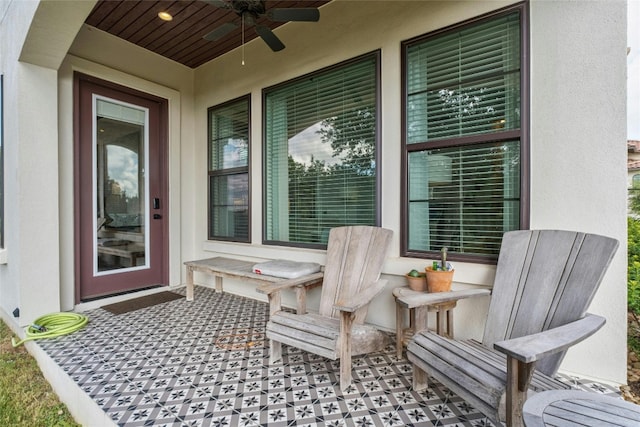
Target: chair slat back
<point>355,256</point>
<point>544,279</point>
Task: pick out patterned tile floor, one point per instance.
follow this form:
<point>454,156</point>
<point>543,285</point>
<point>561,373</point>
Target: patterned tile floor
<point>205,363</point>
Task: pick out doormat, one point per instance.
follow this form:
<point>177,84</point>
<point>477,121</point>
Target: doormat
<point>142,302</point>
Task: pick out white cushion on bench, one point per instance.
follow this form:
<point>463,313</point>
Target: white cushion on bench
<point>285,268</point>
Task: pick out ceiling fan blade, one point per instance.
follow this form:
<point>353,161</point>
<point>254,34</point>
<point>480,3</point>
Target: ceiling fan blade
<point>269,38</point>
<point>220,32</point>
<point>307,14</point>
<point>219,3</point>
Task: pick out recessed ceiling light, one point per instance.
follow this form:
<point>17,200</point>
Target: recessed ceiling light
<point>165,16</point>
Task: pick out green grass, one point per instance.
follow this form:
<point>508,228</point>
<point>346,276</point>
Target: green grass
<point>26,398</point>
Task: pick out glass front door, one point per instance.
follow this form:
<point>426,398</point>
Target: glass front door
<point>121,186</point>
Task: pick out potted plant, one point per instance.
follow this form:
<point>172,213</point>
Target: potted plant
<point>440,275</point>
<point>416,280</point>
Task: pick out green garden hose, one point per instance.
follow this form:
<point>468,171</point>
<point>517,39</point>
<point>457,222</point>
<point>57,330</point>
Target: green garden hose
<point>53,325</point>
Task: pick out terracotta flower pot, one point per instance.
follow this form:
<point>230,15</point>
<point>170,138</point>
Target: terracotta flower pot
<point>439,281</point>
<point>418,283</point>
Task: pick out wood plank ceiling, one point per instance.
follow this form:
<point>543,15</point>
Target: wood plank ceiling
<point>180,39</point>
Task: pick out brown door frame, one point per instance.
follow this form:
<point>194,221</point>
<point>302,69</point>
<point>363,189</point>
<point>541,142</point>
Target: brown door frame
<point>81,83</point>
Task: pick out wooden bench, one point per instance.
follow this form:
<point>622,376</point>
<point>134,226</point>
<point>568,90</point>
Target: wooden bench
<point>131,252</point>
<point>221,267</point>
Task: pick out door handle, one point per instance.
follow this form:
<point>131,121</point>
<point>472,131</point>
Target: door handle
<point>157,216</point>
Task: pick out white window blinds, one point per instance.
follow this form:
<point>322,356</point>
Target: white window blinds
<point>229,171</point>
<point>462,192</point>
<point>466,82</point>
<point>320,159</point>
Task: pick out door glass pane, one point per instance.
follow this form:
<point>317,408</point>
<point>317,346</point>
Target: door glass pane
<point>120,183</point>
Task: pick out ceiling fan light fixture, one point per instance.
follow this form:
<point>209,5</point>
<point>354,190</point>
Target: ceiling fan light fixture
<point>251,11</point>
<point>165,16</point>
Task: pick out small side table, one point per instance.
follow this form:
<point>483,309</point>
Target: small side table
<point>578,408</point>
<point>418,316</point>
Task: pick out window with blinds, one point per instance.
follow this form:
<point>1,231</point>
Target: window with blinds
<point>463,139</point>
<point>320,166</point>
<point>229,171</point>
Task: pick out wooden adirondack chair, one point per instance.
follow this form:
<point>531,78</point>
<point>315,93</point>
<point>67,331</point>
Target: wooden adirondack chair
<point>545,281</point>
<point>355,256</point>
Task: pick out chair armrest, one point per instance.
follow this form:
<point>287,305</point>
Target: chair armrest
<point>532,348</point>
<point>309,280</point>
<point>413,299</point>
<point>362,298</point>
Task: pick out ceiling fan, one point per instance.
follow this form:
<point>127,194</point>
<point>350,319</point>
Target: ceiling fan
<point>250,11</point>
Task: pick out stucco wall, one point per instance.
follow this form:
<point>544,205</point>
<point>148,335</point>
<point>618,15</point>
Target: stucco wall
<point>29,277</point>
<point>579,150</point>
<point>35,38</point>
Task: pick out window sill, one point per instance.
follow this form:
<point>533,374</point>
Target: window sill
<point>3,256</point>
